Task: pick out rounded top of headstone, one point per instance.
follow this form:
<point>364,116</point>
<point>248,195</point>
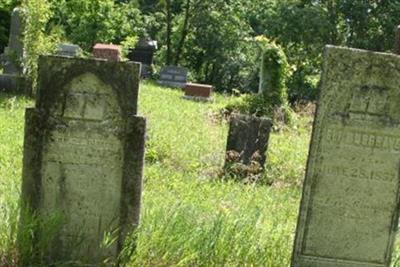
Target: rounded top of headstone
<point>17,10</point>
<point>147,43</point>
<point>107,46</point>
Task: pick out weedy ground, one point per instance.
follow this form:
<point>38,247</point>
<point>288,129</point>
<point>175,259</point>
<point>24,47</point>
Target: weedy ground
<point>190,215</point>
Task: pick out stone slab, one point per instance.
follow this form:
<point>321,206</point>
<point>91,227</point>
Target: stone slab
<point>68,50</point>
<point>198,90</point>
<point>248,137</point>
<point>107,51</point>
<point>173,76</point>
<point>350,205</point>
<point>83,156</point>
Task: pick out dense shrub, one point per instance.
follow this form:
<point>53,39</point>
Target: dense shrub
<point>36,41</point>
<point>272,98</point>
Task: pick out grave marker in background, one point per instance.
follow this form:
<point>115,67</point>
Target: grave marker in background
<point>12,80</point>
<point>68,50</point>
<point>107,51</point>
<point>144,53</point>
<point>248,138</point>
<point>14,51</point>
<point>198,91</point>
<point>83,155</point>
<point>173,76</point>
<point>349,210</point>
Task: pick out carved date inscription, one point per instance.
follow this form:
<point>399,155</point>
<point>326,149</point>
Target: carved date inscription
<point>353,194</point>
<point>350,205</point>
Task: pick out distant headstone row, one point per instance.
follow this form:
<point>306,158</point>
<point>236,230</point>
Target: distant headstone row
<point>176,77</point>
<point>83,157</point>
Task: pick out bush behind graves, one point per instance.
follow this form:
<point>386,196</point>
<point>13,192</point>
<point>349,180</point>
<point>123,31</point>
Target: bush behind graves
<point>36,42</point>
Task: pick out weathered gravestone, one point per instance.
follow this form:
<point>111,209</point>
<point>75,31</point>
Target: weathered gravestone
<point>173,76</point>
<point>11,80</point>
<point>68,50</point>
<point>13,53</point>
<point>83,155</point>
<point>349,210</point>
<point>248,140</point>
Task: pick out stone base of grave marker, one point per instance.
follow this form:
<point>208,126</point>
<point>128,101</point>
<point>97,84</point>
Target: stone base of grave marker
<point>248,140</point>
<point>14,84</point>
<point>83,158</point>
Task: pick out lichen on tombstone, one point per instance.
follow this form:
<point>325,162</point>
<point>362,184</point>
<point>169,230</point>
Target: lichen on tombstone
<point>83,161</point>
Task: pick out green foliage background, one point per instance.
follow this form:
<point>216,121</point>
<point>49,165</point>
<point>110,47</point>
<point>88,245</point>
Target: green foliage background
<point>214,39</point>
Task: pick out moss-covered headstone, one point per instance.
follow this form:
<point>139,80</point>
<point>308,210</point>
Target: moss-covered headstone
<point>349,210</point>
<point>83,157</point>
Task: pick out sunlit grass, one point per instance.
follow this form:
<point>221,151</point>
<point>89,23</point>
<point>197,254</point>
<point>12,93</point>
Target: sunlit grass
<point>189,216</point>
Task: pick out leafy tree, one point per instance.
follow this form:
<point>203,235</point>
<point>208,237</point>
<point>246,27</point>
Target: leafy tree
<point>90,21</point>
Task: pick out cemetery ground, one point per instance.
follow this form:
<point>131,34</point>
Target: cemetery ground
<point>190,216</point>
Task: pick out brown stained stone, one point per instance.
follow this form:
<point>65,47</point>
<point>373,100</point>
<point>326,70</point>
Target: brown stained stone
<point>198,90</point>
<point>349,209</point>
<point>83,157</point>
<point>107,51</point>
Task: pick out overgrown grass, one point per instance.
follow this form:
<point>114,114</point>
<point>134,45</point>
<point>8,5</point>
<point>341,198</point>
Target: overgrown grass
<point>189,216</point>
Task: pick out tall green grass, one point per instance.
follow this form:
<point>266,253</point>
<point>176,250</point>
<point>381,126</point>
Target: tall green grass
<point>189,216</point>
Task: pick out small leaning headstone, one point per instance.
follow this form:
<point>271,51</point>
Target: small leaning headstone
<point>248,142</point>
<point>83,157</point>
<point>349,210</point>
<point>107,51</point>
<point>173,76</point>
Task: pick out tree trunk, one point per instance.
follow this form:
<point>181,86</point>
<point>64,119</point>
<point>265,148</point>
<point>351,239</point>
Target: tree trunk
<point>184,33</point>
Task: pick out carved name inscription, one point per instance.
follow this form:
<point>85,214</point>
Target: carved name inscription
<point>83,158</point>
<point>349,211</point>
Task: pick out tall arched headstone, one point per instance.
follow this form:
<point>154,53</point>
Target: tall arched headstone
<point>350,204</point>
<point>83,156</point>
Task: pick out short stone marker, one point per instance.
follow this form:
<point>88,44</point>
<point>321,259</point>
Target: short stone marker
<point>107,51</point>
<point>173,76</point>
<point>69,50</point>
<point>83,156</point>
<point>198,91</point>
<point>349,210</point>
<point>248,140</point>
